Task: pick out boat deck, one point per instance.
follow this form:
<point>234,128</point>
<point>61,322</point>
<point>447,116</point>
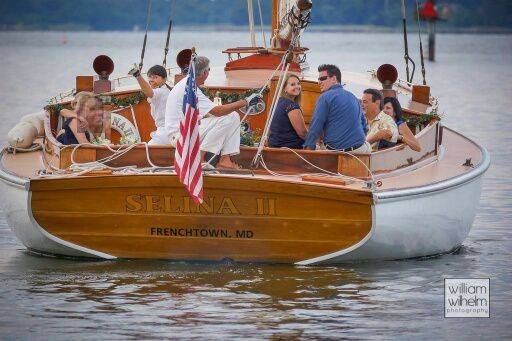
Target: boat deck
<point>456,150</point>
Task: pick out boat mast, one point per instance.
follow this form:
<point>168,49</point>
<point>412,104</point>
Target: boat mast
<point>275,17</point>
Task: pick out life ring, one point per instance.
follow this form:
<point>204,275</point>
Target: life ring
<point>124,127</point>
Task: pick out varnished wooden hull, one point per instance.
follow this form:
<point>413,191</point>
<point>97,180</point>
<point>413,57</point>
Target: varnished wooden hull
<point>243,219</point>
<point>246,218</point>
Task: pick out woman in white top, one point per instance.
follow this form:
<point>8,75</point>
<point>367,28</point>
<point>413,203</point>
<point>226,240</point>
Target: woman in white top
<point>157,91</point>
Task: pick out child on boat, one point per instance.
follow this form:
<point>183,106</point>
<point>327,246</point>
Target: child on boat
<point>157,91</point>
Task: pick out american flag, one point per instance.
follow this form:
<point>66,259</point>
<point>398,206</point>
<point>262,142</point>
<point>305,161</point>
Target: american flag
<point>187,160</point>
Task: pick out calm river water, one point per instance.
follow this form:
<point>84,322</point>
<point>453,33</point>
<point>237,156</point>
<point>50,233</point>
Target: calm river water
<point>57,299</point>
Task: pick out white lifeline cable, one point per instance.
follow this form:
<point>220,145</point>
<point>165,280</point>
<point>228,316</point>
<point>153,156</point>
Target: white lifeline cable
<point>86,167</point>
<point>270,118</point>
<point>331,173</point>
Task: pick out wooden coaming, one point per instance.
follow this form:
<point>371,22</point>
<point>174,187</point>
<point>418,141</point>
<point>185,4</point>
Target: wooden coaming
<point>244,219</point>
<point>145,121</point>
<point>267,61</point>
<point>400,156</point>
<point>277,160</point>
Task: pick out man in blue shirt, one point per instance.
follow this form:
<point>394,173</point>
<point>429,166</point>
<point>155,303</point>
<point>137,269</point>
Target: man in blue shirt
<point>338,115</point>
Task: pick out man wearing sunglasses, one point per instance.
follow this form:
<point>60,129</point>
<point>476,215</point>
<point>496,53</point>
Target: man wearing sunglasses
<point>338,115</point>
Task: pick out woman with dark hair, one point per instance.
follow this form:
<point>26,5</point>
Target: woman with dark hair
<point>393,108</point>
<point>288,128</point>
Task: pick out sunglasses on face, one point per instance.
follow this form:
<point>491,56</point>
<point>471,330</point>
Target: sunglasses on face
<point>321,79</point>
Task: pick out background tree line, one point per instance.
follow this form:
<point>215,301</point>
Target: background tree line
<point>127,14</point>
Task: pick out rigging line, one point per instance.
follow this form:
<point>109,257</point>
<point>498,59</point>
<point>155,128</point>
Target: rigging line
<point>261,26</point>
<point>260,92</point>
<point>331,173</point>
<point>134,118</point>
<point>116,153</point>
<point>421,44</point>
<point>409,75</point>
<point>169,29</point>
<point>166,49</point>
<point>250,11</point>
<point>271,116</point>
<point>148,18</point>
<point>280,85</point>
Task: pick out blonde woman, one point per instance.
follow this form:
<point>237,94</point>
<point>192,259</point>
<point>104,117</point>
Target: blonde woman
<point>67,113</point>
<point>88,110</point>
<point>288,128</point>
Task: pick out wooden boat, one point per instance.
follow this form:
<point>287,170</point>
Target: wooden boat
<point>298,206</point>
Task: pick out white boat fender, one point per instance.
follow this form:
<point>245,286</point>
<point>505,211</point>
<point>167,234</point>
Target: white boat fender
<point>23,134</point>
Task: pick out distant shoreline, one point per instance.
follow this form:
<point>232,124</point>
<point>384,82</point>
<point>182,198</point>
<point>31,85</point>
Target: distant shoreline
<point>319,28</point>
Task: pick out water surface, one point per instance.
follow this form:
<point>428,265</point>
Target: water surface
<point>45,298</point>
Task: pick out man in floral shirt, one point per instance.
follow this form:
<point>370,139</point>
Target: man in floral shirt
<point>380,125</point>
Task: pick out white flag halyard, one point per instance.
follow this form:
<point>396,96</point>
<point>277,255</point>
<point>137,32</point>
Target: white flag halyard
<point>187,157</point>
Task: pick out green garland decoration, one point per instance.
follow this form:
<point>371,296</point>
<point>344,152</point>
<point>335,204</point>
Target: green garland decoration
<point>117,102</point>
<point>56,108</point>
<point>423,119</point>
<point>124,102</point>
<point>228,97</point>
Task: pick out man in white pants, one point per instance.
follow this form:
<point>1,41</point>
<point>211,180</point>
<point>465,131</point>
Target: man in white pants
<point>219,126</point>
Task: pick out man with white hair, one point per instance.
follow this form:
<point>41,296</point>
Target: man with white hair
<point>219,126</point>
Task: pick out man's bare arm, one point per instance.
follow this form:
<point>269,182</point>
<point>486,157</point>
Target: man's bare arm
<point>383,134</point>
<point>226,109</point>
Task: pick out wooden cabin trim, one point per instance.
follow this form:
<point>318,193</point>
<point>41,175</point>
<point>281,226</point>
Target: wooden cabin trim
<point>81,155</point>
<point>356,166</point>
<point>259,61</point>
<point>310,94</point>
